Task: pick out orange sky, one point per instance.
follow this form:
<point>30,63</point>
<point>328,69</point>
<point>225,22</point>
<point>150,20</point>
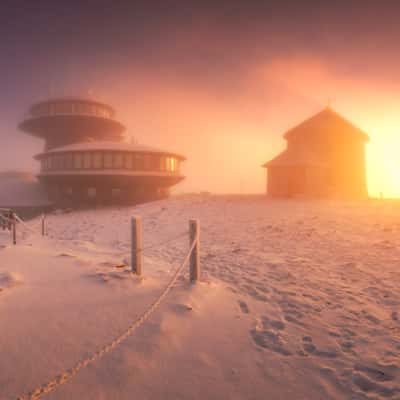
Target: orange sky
<point>227,138</point>
<point>219,83</point>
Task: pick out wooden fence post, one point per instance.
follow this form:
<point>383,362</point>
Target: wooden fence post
<point>9,223</point>
<point>136,245</point>
<point>14,228</point>
<point>43,230</point>
<point>194,234</point>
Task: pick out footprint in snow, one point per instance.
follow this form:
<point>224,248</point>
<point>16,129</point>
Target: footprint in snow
<point>243,307</point>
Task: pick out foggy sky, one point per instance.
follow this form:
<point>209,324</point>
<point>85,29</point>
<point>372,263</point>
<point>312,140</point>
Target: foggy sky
<point>219,83</point>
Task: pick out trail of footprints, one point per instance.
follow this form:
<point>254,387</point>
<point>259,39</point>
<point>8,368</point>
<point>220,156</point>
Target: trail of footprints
<point>374,378</point>
<point>249,274</point>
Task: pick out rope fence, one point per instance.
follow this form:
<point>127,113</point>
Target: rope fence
<point>192,258</point>
<point>9,219</point>
<point>137,248</point>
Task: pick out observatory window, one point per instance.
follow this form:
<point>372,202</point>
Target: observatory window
<point>138,162</point>
<point>173,165</point>
<point>59,108</point>
<point>135,165</point>
<point>116,193</point>
<point>108,160</point>
<point>87,109</point>
<point>81,108</point>
<point>48,162</point>
<point>162,163</point>
<point>128,161</point>
<point>56,162</point>
<point>168,164</point>
<point>118,160</point>
<point>153,163</point>
<point>68,161</point>
<point>66,108</point>
<point>86,160</point>
<point>53,162</point>
<point>77,160</point>
<point>147,162</point>
<point>61,161</point>
<point>97,160</point>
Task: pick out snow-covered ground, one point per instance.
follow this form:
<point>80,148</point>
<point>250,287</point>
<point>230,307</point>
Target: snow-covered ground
<point>299,300</point>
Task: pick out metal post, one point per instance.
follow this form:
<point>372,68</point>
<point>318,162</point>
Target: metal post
<point>136,245</point>
<point>14,228</point>
<point>194,234</point>
<point>43,230</point>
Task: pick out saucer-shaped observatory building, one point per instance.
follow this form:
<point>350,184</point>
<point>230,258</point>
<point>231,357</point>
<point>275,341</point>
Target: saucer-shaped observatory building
<point>86,160</point>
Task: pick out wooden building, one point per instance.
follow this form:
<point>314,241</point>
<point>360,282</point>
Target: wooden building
<point>324,157</point>
<point>86,161</point>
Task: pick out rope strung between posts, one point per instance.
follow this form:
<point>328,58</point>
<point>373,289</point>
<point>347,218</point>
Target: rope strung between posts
<point>3,217</point>
<point>68,374</point>
<point>162,243</point>
<point>14,217</point>
<point>24,224</point>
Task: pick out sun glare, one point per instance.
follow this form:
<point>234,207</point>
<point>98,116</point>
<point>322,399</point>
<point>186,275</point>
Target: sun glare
<point>383,159</point>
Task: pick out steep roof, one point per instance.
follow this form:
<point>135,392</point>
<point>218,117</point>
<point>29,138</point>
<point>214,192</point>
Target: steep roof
<point>289,158</point>
<point>326,122</point>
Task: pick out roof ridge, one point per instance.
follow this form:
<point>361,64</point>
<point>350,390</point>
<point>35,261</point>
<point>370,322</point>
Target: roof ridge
<point>329,111</point>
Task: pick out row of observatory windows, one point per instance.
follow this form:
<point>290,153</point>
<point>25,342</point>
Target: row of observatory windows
<point>71,108</point>
<point>109,160</point>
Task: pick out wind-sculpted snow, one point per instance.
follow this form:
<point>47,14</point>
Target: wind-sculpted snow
<point>311,290</point>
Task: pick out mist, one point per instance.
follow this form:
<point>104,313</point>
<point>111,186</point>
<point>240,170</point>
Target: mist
<point>218,84</point>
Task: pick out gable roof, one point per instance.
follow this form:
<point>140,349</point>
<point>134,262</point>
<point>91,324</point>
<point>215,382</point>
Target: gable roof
<point>294,157</point>
<point>326,122</point>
